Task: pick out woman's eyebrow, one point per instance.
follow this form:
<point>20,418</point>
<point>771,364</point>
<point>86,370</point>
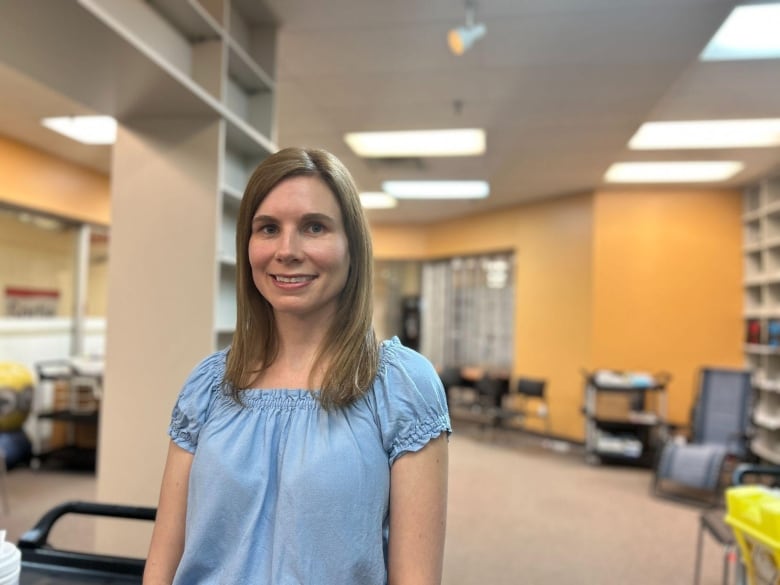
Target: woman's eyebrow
<point>262,219</point>
<point>317,217</point>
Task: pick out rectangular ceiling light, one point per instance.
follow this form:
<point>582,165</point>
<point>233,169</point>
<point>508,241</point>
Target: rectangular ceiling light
<point>458,142</point>
<point>84,129</point>
<point>437,189</point>
<point>672,172</point>
<point>377,201</point>
<point>750,32</point>
<point>760,132</point>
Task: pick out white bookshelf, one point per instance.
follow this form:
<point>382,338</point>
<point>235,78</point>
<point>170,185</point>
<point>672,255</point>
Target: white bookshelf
<point>761,285</point>
<point>218,56</point>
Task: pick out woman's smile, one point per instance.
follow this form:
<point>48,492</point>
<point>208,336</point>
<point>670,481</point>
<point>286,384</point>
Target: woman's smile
<point>285,281</point>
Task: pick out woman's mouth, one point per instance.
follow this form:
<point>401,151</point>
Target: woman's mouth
<point>297,279</point>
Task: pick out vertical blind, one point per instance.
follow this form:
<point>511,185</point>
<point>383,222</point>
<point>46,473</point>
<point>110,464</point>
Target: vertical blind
<point>467,311</point>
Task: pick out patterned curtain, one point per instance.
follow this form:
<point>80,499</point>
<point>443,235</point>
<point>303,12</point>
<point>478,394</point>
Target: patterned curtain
<point>467,311</point>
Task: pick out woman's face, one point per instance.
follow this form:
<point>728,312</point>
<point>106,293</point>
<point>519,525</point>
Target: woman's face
<point>298,249</point>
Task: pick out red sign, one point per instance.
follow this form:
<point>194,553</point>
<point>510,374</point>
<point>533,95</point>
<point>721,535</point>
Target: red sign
<point>31,302</point>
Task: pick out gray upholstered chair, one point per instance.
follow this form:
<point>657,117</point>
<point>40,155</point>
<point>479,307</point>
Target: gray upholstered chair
<point>720,429</point>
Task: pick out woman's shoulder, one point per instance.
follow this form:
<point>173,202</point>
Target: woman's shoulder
<point>213,364</point>
<point>411,406</point>
<point>195,400</point>
<point>207,373</point>
<point>404,373</point>
<point>395,356</point>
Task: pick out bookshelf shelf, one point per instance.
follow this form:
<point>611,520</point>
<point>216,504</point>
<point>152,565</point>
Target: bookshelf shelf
<point>212,64</point>
<point>761,223</point>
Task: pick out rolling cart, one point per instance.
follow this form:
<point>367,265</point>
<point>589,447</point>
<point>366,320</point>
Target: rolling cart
<point>625,416</point>
<point>44,565</point>
<point>76,389</point>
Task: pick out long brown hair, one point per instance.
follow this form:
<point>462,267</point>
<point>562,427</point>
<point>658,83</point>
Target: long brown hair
<point>349,346</point>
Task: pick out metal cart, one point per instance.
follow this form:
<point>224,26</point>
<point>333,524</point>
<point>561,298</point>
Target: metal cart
<point>622,422</point>
<point>44,565</point>
<point>77,408</point>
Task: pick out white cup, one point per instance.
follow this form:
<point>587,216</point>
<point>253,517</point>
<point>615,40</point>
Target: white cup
<point>10,563</point>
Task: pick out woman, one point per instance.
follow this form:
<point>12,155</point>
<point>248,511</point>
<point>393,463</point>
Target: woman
<point>307,453</point>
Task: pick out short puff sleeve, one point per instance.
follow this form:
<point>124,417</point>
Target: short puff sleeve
<point>195,400</point>
<point>411,406</point>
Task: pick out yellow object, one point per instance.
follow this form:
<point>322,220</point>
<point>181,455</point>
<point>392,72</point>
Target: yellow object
<point>754,514</point>
<point>16,391</point>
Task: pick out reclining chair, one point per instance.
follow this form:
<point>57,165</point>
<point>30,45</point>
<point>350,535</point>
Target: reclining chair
<point>721,419</point>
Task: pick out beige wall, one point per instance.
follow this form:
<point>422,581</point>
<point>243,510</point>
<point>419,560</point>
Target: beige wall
<point>165,187</point>
<point>37,258</point>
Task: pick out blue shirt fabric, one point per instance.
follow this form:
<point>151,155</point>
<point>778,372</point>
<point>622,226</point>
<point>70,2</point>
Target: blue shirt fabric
<point>284,492</point>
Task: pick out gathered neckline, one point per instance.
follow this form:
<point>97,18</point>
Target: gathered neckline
<point>385,347</point>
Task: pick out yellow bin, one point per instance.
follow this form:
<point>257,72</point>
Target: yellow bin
<point>753,512</point>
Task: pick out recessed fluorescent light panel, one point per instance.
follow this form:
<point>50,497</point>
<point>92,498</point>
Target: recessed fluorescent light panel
<point>456,142</point>
<point>672,172</point>
<point>750,32</point>
<point>437,189</point>
<point>708,134</point>
<point>377,201</point>
<point>84,129</point>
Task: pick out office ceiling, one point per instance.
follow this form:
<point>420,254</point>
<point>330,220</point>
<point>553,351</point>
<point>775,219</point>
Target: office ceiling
<point>560,86</point>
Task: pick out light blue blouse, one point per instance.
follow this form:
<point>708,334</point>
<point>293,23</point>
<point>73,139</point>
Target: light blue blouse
<point>283,492</point>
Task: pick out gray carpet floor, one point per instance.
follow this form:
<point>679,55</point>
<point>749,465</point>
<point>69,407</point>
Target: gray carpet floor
<point>519,513</point>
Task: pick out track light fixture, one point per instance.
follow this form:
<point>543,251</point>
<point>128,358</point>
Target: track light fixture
<point>461,38</point>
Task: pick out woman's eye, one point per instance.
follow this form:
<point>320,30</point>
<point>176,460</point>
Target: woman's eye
<point>266,229</point>
<point>316,228</point>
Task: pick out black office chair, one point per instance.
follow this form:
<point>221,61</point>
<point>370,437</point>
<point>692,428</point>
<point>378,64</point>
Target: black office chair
<point>491,392</point>
<point>531,400</point>
<point>450,378</point>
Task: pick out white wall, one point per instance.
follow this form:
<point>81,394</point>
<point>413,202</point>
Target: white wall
<point>27,341</point>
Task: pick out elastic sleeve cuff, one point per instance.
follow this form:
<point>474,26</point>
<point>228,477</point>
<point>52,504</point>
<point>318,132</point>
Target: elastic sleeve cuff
<point>419,436</point>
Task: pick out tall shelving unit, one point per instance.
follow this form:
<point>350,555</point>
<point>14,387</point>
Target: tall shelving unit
<point>191,83</point>
<point>194,81</point>
<point>761,249</point>
<point>221,52</point>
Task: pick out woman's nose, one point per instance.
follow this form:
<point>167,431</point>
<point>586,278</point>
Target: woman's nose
<point>289,247</point>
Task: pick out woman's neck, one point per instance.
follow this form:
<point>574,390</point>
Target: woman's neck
<point>299,344</point>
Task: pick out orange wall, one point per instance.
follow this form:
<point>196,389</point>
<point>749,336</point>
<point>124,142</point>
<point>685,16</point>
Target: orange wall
<point>632,280</point>
<point>667,292</point>
<point>32,179</point>
<point>552,245</point>
<point>399,243</point>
